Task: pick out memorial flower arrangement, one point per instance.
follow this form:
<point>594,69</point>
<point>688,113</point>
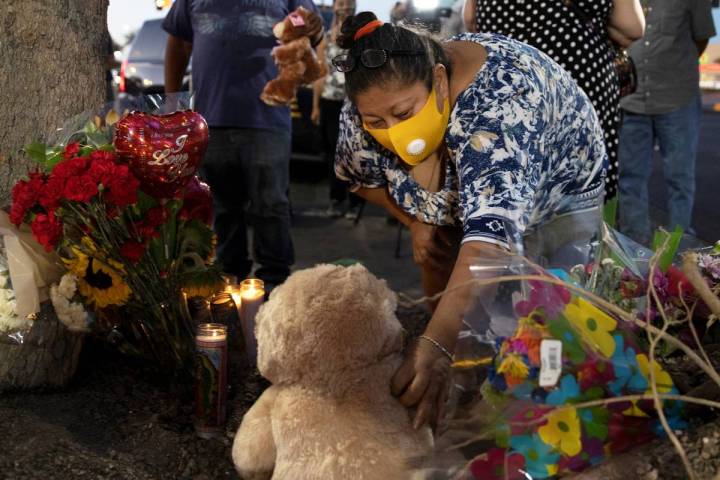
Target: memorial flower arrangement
<point>121,205</point>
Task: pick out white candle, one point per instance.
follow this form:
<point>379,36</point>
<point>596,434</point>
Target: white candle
<point>252,293</point>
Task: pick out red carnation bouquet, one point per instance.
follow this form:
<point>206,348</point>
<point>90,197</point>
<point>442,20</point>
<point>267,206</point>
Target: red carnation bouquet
<point>123,208</point>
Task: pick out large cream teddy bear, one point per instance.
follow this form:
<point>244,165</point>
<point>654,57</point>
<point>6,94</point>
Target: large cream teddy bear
<point>329,341</point>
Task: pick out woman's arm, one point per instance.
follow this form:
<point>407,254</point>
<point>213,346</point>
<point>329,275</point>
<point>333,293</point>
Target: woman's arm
<point>381,197</point>
<point>318,85</point>
<point>426,251</point>
<point>469,15</point>
<point>421,379</point>
<point>447,320</point>
<point>627,22</point>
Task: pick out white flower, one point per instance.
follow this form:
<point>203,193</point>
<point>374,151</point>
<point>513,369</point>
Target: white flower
<point>68,286</point>
<point>71,314</point>
<point>9,320</point>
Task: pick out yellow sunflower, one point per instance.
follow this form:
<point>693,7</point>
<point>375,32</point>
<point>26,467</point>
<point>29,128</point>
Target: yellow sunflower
<point>99,280</point>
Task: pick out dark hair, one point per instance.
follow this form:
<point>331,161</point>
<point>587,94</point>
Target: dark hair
<point>408,68</point>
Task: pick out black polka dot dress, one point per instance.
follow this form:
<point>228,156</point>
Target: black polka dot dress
<point>555,29</point>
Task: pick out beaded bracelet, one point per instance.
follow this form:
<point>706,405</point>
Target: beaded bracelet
<point>438,346</point>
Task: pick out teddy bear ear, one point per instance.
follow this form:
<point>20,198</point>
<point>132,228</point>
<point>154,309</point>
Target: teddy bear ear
<point>278,30</point>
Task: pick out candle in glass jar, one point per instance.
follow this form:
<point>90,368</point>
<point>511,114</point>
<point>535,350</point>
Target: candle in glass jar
<point>210,379</point>
<point>252,293</point>
<point>234,291</point>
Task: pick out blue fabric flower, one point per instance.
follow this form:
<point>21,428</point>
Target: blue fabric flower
<point>538,455</point>
<point>675,423</point>
<point>523,391</point>
<point>627,372</point>
<point>569,390</point>
<point>673,413</point>
<point>497,381</point>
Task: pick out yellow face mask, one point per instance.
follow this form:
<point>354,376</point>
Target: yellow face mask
<point>416,138</point>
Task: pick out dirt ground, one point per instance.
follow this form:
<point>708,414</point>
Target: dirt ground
<point>119,420</point>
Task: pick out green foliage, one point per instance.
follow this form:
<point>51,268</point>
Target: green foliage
<point>37,151</point>
<point>96,136</point>
<point>196,237</point>
<point>610,212</point>
<point>671,248</point>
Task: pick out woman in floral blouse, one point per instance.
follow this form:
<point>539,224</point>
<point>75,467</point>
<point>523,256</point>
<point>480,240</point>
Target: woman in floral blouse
<point>481,135</point>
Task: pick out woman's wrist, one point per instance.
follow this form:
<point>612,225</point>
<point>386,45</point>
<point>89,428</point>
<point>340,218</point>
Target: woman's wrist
<point>445,335</point>
<point>437,345</point>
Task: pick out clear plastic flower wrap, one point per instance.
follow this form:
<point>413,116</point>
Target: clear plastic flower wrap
<point>26,273</point>
<point>550,402</point>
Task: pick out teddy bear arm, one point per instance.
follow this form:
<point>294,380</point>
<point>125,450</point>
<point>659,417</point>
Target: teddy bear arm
<point>288,53</point>
<point>254,449</point>
<point>314,69</point>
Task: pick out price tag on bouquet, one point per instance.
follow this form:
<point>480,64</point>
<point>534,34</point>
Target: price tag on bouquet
<point>550,362</point>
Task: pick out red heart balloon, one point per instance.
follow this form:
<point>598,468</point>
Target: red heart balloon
<point>163,151</point>
<point>197,202</point>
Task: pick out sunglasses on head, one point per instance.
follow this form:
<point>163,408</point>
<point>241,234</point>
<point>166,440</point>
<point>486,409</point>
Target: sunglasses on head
<point>370,58</point>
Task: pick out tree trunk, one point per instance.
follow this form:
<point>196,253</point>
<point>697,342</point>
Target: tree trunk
<point>48,356</point>
<point>52,67</point>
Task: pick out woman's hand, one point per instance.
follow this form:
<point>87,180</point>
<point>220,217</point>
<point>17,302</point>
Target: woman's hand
<point>423,380</point>
<point>428,249</point>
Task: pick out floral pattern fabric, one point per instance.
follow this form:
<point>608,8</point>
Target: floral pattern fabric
<point>334,84</point>
<point>524,141</point>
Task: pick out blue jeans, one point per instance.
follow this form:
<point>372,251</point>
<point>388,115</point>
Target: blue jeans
<point>248,172</point>
<point>676,134</point>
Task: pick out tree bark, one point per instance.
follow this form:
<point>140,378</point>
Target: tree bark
<point>48,356</point>
<point>52,67</point>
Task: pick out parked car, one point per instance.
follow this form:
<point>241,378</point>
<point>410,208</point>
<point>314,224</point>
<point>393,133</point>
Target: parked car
<point>142,72</point>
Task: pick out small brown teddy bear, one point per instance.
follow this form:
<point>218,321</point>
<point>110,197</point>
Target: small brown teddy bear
<point>330,342</point>
<point>295,59</point>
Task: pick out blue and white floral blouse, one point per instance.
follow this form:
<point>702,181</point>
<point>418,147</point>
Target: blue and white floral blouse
<point>525,146</point>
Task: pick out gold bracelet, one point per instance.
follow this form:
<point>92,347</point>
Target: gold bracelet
<point>438,346</point>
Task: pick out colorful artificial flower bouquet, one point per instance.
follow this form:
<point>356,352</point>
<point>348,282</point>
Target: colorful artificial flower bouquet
<point>121,205</point>
<point>564,352</point>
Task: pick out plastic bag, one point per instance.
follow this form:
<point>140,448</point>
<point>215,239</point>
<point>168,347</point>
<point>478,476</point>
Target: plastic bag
<point>109,112</point>
<point>563,351</point>
<point>26,273</point>
<point>616,260</point>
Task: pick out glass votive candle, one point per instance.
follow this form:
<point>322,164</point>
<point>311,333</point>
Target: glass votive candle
<point>210,379</point>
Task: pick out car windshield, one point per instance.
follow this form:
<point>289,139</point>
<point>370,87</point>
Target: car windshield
<point>150,42</point>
